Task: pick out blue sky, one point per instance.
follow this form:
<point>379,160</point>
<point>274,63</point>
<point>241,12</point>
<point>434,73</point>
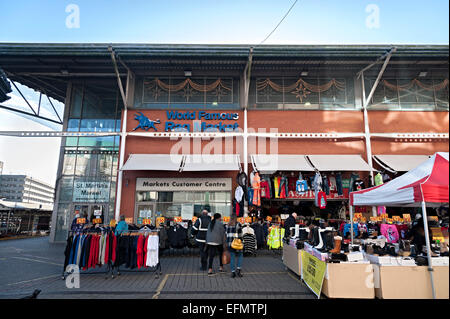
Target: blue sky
<point>195,21</point>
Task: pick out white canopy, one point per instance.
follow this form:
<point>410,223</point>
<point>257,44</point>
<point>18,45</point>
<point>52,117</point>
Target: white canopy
<point>153,162</point>
<point>400,163</point>
<point>211,162</point>
<point>339,163</point>
<point>280,162</point>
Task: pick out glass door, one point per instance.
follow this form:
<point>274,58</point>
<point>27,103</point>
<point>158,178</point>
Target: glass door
<point>97,211</point>
<point>143,211</point>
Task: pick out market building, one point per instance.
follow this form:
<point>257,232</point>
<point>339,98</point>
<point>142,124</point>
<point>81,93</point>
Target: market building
<point>164,130</point>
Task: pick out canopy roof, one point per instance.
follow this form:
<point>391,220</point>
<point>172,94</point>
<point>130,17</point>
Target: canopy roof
<point>427,182</point>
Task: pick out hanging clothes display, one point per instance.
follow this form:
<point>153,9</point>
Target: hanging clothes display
<point>390,232</point>
<point>152,255</point>
<point>322,200</point>
<point>274,240</point>
<point>265,189</point>
<point>283,187</point>
<point>238,202</point>
<point>317,184</point>
<point>259,234</point>
<point>339,187</point>
<point>177,236</point>
<point>256,185</point>
<point>276,183</point>
<point>379,181</point>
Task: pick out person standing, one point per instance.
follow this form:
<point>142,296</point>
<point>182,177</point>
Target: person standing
<point>288,223</point>
<point>121,227</point>
<point>234,230</point>
<point>214,239</point>
<point>199,231</point>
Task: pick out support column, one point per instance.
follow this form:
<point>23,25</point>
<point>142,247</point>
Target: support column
<point>121,162</point>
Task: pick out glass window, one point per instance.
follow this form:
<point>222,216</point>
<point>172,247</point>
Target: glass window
<point>69,164</point>
<point>73,125</point>
<point>63,222</point>
<point>75,108</point>
<point>65,189</point>
<point>86,165</point>
<point>99,141</point>
<point>105,164</point>
<point>97,125</point>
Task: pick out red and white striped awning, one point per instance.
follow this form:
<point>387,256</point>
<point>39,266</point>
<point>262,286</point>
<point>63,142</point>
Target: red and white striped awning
<point>427,182</point>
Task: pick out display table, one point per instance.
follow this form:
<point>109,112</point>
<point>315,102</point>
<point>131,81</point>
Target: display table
<point>349,280</point>
<point>410,282</point>
<point>292,259</point>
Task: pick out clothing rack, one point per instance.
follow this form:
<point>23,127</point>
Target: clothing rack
<point>157,269</point>
<point>109,269</point>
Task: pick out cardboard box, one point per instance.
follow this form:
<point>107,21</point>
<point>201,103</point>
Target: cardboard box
<point>292,259</point>
<point>349,280</point>
<point>410,282</point>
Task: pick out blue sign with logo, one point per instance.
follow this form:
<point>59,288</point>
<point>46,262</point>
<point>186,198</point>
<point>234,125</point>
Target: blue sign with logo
<point>199,122</point>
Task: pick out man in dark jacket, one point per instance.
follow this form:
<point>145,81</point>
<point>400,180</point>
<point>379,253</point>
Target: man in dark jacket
<point>199,231</point>
<point>288,223</point>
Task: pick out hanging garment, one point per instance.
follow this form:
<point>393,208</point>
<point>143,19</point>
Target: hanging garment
<point>276,184</point>
<point>67,250</point>
<point>317,184</point>
<point>358,185</point>
<point>163,238</point>
<point>276,235</point>
<point>341,212</point>
<point>292,184</point>
<point>256,185</point>
<point>390,232</point>
<point>249,243</point>
<point>177,236</point>
<point>325,185</point>
<point>265,189</point>
<point>402,231</point>
<point>283,187</point>
<point>140,251</point>
<point>348,227</point>
<point>250,196</point>
<point>152,251</point>
<point>339,187</point>
<point>238,193</point>
<point>266,179</point>
<point>237,208</point>
<point>381,210</point>
<point>322,200</point>
<point>378,179</point>
<point>259,233</point>
<point>332,183</point>
<point>301,186</point>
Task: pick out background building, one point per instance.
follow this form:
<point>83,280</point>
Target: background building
<point>25,189</point>
<point>316,102</point>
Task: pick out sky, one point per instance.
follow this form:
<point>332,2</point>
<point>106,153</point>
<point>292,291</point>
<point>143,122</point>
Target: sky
<point>202,22</point>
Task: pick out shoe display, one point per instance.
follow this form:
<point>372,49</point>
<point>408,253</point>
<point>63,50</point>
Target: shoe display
<point>369,249</point>
<point>405,248</point>
<point>337,245</point>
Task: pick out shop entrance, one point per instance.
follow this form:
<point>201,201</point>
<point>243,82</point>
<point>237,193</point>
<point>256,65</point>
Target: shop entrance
<point>91,211</point>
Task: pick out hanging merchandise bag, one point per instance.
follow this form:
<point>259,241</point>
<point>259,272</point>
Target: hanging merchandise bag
<point>322,199</point>
<point>237,244</point>
<point>226,258</point>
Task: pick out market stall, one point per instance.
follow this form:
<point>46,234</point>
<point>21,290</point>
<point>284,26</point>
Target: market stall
<point>425,185</point>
